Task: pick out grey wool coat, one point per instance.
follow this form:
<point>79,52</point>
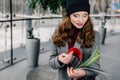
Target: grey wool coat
<point>62,69</point>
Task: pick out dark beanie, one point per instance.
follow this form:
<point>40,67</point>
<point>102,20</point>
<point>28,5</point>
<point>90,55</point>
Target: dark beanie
<point>77,5</point>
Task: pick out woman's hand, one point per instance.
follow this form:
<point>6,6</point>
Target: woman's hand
<point>65,58</point>
<point>75,73</point>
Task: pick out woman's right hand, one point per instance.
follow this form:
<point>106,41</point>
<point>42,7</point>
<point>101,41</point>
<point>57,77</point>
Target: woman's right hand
<point>65,58</point>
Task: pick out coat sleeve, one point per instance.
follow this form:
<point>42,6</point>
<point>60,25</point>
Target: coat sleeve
<point>96,65</point>
<point>53,60</point>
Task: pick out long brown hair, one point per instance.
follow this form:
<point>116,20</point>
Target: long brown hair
<point>85,35</point>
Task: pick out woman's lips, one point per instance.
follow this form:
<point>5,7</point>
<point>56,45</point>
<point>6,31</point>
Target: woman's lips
<point>79,24</point>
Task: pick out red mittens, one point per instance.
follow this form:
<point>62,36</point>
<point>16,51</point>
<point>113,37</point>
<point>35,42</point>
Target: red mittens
<point>76,52</point>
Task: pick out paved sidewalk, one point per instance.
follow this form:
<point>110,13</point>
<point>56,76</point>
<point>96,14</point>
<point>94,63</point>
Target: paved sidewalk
<point>110,57</point>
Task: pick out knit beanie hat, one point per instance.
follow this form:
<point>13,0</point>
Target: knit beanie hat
<point>77,5</point>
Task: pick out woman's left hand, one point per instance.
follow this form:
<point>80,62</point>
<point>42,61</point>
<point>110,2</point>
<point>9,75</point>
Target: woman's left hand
<point>75,73</point>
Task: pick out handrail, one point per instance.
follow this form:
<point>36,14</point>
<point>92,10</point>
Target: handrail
<point>28,17</point>
<point>39,18</point>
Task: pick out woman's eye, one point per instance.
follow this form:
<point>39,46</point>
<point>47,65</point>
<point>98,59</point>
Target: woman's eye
<point>85,15</point>
<point>75,16</point>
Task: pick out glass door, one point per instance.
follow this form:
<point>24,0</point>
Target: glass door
<point>4,33</point>
<point>12,32</point>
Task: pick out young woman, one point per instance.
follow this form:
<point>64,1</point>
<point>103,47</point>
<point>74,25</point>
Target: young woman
<point>76,30</point>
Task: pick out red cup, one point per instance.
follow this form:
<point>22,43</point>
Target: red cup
<point>76,52</point>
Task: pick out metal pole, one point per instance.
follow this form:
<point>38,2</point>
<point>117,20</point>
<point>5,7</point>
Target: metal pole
<point>11,33</point>
<point>103,29</point>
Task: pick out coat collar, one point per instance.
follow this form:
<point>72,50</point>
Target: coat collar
<point>76,45</point>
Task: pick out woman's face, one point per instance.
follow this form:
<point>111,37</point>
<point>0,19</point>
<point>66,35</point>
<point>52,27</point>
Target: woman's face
<point>78,19</point>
